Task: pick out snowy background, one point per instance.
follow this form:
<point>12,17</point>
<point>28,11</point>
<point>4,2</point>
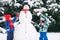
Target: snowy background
<point>53,9</point>
<point>51,36</point>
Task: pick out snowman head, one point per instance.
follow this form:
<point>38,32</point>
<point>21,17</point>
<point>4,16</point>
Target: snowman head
<point>26,7</point>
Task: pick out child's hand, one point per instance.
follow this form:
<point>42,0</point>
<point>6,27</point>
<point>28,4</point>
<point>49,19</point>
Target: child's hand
<point>7,30</point>
<point>17,15</point>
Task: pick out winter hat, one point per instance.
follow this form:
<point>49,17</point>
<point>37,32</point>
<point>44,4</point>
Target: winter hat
<point>7,16</point>
<point>26,7</point>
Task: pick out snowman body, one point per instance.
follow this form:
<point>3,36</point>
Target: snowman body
<point>25,30</point>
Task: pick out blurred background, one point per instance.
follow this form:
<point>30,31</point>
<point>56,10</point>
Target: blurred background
<point>49,7</point>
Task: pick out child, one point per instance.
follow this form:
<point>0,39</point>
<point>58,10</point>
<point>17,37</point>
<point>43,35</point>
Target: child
<point>43,29</point>
<point>9,26</point>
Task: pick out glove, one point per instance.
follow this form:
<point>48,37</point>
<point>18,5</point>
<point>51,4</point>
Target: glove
<point>17,15</point>
<point>7,30</point>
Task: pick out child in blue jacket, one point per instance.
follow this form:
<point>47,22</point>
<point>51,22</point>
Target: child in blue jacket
<point>9,26</point>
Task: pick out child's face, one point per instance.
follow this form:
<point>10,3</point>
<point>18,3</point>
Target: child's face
<point>41,23</point>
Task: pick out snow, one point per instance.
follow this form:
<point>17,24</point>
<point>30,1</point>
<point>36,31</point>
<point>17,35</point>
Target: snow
<point>51,36</point>
<point>3,36</point>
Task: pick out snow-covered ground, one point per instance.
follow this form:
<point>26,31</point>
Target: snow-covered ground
<point>51,36</point>
<point>3,36</point>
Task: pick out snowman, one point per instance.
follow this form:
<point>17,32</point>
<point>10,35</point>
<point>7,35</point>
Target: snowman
<point>25,30</point>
